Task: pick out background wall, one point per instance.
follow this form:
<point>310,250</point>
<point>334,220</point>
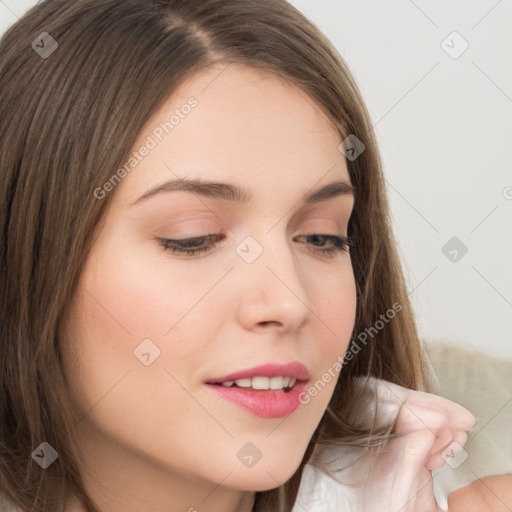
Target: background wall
<point>443,117</point>
<point>439,91</point>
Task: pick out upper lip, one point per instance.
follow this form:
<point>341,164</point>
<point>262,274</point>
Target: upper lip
<point>293,370</point>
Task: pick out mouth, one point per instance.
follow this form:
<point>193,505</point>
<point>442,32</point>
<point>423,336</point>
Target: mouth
<point>261,383</point>
<point>268,391</point>
<point>265,377</point>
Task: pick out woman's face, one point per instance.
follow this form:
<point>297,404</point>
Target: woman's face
<point>154,326</point>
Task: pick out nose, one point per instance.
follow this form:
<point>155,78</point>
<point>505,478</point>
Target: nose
<point>271,289</point>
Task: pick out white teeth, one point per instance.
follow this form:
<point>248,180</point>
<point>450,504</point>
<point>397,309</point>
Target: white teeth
<point>276,383</point>
<point>261,382</point>
<point>243,383</point>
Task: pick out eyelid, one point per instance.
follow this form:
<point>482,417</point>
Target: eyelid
<point>339,243</point>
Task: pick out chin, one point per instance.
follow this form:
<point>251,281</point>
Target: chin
<point>265,476</point>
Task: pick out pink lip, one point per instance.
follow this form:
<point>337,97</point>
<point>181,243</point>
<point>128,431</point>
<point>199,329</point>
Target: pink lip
<point>293,370</point>
<point>264,403</point>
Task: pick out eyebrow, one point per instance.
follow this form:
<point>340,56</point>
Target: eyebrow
<point>230,192</point>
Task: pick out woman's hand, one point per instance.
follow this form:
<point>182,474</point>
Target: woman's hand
<point>396,477</point>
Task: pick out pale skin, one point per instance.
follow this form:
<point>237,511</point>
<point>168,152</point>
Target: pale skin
<point>153,438</point>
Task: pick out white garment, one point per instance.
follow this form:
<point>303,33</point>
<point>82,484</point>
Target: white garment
<point>321,493</point>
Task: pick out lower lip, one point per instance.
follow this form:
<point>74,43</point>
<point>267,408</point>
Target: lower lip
<point>263,403</point>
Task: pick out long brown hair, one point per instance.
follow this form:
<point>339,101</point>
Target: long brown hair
<point>69,119</point>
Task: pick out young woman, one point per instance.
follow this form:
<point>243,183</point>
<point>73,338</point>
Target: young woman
<point>200,287</point>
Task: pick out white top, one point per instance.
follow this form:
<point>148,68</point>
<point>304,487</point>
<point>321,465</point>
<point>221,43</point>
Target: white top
<point>321,493</point>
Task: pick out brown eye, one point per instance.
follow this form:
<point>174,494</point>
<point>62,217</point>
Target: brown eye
<point>190,246</point>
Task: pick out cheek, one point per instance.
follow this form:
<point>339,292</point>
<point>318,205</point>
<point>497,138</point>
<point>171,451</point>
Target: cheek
<point>118,304</point>
<point>144,294</point>
<point>335,309</point>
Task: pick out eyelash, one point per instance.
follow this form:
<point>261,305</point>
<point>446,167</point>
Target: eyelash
<point>340,244</point>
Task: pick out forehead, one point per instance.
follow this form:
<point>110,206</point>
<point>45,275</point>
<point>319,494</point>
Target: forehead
<point>238,124</point>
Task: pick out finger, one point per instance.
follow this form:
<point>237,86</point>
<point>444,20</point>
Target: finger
<point>417,418</point>
<point>413,418</point>
<point>413,474</point>
<point>439,456</point>
<point>456,413</point>
<point>446,434</point>
<point>391,396</point>
<point>411,487</point>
